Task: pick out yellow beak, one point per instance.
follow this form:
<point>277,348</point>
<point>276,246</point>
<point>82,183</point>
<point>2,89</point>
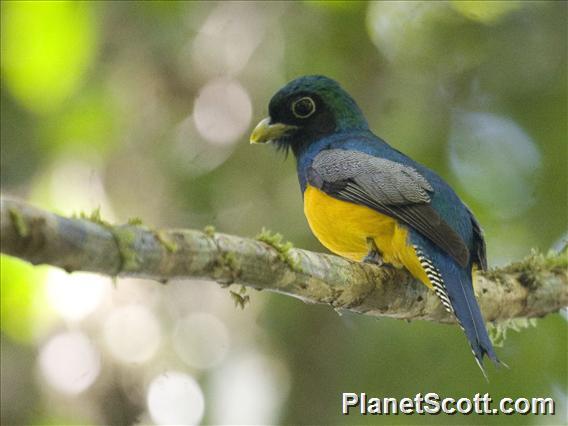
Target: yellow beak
<point>265,132</point>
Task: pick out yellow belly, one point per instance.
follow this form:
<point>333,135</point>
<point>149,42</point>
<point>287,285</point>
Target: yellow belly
<point>344,227</point>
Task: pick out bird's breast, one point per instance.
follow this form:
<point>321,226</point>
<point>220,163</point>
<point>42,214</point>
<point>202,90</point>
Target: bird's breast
<point>344,227</point>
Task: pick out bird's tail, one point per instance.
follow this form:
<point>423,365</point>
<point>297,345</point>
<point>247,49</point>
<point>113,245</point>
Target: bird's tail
<point>453,285</point>
<point>465,307</point>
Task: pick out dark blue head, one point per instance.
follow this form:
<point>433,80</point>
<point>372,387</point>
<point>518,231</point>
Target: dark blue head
<point>305,110</point>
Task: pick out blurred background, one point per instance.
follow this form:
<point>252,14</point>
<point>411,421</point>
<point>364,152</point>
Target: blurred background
<point>144,109</point>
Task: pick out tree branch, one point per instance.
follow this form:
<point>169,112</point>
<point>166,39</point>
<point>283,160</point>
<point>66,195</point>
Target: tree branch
<point>533,287</point>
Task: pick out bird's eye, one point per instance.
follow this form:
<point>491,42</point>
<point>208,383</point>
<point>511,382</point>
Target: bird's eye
<point>304,107</point>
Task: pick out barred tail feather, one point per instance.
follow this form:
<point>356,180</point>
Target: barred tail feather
<point>454,287</point>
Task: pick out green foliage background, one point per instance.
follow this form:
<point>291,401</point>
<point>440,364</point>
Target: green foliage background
<point>97,110</point>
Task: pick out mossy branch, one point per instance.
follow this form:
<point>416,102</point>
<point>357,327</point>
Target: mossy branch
<point>533,287</point>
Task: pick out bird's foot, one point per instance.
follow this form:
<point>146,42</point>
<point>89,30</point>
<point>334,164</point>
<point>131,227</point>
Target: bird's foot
<point>374,255</point>
<point>374,258</point>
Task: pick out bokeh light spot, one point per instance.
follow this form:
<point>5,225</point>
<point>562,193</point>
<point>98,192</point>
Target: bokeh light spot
<point>495,161</point>
<point>398,28</point>
<point>132,334</point>
<point>46,49</point>
<point>222,112</point>
<point>175,398</point>
<point>22,307</point>
<point>407,33</point>
<point>74,296</point>
<point>74,186</point>
<point>250,390</point>
<point>228,38</point>
<point>70,362</point>
<point>201,340</point>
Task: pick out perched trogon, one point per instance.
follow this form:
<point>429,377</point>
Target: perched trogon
<point>364,200</point>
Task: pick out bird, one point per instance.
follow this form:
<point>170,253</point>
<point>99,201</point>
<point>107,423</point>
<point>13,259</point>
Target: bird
<point>366,201</point>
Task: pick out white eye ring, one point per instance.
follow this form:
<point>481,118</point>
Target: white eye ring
<point>302,103</point>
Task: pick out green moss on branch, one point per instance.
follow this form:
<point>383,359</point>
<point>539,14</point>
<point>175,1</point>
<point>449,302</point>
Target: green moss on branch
<point>284,249</point>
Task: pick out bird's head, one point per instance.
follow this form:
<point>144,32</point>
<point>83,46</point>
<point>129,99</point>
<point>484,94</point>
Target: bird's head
<point>306,109</point>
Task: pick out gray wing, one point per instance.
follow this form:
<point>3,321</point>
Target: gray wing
<point>388,187</point>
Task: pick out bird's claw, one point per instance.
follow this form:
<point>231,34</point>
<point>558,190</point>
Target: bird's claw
<point>374,255</point>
